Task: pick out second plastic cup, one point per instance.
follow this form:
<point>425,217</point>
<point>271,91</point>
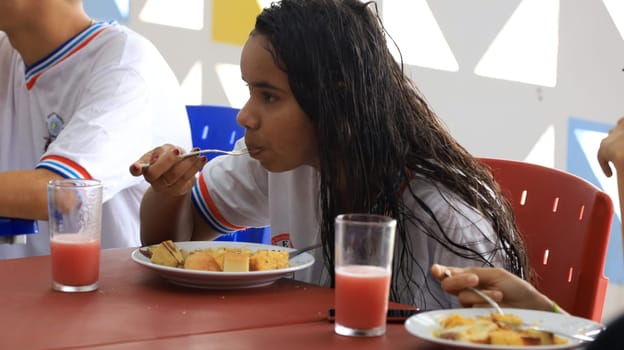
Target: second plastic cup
<point>75,220</point>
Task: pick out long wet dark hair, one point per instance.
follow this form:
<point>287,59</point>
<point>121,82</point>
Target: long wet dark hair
<point>373,128</point>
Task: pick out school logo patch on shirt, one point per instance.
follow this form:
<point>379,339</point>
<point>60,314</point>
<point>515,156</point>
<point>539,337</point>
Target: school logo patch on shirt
<point>282,240</point>
<point>55,125</point>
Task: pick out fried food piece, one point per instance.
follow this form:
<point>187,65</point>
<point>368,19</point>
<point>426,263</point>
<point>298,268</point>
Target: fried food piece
<point>455,320</point>
<point>477,332</point>
<point>167,254</point>
<point>506,337</point>
<point>201,261</point>
<point>493,329</point>
<point>235,262</point>
<point>219,259</point>
<point>507,319</point>
<point>219,253</point>
<point>265,259</point>
<point>535,337</point>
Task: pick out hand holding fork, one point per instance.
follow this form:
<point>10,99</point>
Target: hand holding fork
<point>516,284</point>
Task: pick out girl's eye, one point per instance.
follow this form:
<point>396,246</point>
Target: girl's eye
<point>268,97</point>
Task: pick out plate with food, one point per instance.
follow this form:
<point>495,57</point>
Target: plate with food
<point>480,328</point>
<point>220,264</point>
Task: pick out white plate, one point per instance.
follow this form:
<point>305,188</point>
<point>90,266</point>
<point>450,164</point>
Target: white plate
<point>224,280</point>
<point>424,324</point>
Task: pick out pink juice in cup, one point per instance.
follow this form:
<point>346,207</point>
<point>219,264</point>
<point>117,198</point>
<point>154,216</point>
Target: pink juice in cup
<point>363,265</point>
<point>75,260</point>
<point>362,294</point>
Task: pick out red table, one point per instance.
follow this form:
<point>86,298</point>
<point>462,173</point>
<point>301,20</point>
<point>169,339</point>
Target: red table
<point>135,308</point>
<point>310,335</point>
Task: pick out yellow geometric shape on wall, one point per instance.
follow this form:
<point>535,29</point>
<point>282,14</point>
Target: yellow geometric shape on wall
<point>232,21</point>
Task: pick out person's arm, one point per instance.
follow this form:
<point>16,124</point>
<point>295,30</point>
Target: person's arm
<point>24,194</point>
<point>611,151</point>
<point>166,209</point>
<point>165,217</point>
<point>504,287</point>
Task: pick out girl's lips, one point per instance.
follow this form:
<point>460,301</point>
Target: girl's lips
<point>254,151</point>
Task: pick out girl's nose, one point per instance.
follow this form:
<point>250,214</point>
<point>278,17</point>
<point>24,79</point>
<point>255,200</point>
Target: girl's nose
<point>247,118</point>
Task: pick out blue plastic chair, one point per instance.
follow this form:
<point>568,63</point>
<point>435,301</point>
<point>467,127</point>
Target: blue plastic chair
<point>12,230</point>
<point>216,127</point>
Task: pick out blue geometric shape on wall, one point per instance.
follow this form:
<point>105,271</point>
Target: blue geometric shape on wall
<point>579,164</point>
<point>118,10</point>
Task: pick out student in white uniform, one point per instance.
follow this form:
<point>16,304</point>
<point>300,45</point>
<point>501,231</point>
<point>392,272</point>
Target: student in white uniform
<point>79,99</point>
<point>334,126</point>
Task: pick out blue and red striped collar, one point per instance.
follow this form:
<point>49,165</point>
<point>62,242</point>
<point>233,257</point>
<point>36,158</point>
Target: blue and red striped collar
<point>64,51</point>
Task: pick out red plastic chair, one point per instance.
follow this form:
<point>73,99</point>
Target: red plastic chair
<point>565,221</point>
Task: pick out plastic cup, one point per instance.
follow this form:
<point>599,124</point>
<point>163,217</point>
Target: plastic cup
<point>364,245</point>
<point>75,220</point>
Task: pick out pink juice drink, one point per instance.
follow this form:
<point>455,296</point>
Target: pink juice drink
<point>75,262</point>
<point>362,294</point>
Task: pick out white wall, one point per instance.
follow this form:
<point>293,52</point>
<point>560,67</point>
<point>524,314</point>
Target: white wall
<point>490,117</point>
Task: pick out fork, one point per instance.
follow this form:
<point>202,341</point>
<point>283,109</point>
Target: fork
<point>294,253</point>
<point>238,152</point>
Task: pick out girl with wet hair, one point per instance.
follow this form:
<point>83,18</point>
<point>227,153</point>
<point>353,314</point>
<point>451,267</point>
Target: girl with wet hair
<point>333,125</point>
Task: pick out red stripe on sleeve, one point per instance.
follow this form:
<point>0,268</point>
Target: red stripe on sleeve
<point>203,188</point>
<point>70,163</point>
